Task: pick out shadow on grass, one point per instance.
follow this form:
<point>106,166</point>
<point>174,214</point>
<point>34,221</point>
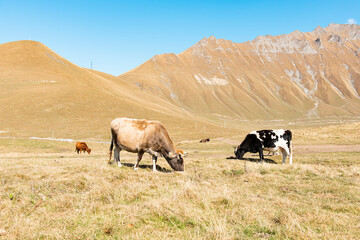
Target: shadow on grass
<point>160,169</point>
<point>253,159</point>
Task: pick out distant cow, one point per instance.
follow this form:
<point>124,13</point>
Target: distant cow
<point>268,140</point>
<point>82,147</point>
<point>144,136</point>
<point>205,140</point>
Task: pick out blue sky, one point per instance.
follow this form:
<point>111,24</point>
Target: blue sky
<point>118,36</point>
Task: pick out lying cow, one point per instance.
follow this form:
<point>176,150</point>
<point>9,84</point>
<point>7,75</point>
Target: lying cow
<point>143,136</point>
<point>268,140</point>
<point>205,140</point>
<point>82,147</point>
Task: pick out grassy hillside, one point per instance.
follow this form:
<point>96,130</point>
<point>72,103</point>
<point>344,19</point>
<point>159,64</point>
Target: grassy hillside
<point>42,93</point>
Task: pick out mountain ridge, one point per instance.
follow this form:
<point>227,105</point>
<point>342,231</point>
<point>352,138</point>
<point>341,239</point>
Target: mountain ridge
<point>286,76</point>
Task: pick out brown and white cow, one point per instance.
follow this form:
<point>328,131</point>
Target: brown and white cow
<point>143,136</point>
<point>82,147</point>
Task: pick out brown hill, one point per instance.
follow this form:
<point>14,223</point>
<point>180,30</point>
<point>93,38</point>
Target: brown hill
<point>42,93</point>
<point>299,75</point>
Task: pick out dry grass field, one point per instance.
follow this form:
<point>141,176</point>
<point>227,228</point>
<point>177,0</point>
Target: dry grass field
<point>47,191</point>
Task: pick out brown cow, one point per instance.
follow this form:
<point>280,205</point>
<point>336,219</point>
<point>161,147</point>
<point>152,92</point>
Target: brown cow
<point>141,136</point>
<point>82,147</point>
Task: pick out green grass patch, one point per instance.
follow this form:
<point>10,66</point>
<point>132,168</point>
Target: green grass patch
<point>258,232</point>
<point>172,221</point>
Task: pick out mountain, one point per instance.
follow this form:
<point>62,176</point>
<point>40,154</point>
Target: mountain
<point>42,94</point>
<point>212,88</point>
<point>293,76</point>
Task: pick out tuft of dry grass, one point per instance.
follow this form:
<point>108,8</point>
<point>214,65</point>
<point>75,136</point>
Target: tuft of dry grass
<point>61,195</point>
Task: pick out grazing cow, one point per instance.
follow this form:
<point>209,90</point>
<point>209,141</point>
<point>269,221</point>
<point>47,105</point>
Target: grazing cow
<point>82,147</point>
<point>205,140</point>
<point>268,140</point>
<point>144,136</point>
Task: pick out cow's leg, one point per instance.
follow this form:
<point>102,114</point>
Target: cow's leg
<point>117,155</point>
<point>284,154</point>
<point>154,158</point>
<point>261,154</point>
<point>140,154</point>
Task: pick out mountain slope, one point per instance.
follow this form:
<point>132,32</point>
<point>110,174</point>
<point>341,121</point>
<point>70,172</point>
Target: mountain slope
<point>299,75</point>
<point>41,92</point>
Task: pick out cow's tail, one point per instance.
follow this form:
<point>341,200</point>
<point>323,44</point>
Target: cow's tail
<point>111,146</point>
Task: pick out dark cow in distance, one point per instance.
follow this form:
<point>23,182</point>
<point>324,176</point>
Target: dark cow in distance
<point>205,140</point>
<point>82,147</point>
<point>268,140</point>
<point>144,136</point>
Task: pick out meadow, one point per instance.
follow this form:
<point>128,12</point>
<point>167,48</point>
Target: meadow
<point>47,191</point>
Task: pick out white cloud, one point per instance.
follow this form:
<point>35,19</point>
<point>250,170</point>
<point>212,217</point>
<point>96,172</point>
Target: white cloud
<point>351,21</point>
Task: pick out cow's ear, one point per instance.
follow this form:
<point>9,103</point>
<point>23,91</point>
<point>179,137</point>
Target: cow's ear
<point>234,147</point>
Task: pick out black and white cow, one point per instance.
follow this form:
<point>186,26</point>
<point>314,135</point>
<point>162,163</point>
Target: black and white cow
<point>268,140</point>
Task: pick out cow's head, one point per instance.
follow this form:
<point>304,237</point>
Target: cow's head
<point>88,150</point>
<point>250,144</point>
<point>176,161</point>
<point>239,152</point>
